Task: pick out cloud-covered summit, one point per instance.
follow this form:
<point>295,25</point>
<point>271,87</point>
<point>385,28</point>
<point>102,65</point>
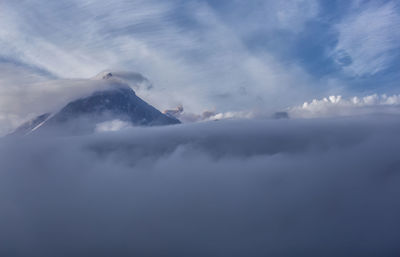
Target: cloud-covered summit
<point>116,102</point>
<point>25,97</point>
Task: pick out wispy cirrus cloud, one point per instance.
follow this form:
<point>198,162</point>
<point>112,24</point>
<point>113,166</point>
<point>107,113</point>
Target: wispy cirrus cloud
<point>368,38</point>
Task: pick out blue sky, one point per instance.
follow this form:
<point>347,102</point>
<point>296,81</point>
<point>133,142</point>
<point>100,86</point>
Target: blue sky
<point>207,55</point>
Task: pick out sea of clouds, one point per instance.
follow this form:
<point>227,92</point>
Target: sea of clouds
<point>293,187</point>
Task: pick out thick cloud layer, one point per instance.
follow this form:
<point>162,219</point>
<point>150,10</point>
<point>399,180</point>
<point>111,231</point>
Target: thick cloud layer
<point>229,188</point>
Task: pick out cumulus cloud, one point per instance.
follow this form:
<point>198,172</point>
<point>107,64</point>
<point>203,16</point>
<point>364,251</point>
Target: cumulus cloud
<point>208,115</point>
<point>336,105</point>
<point>228,188</point>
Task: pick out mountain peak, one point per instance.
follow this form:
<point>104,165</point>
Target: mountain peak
<point>81,116</point>
<point>104,75</point>
<point>107,76</point>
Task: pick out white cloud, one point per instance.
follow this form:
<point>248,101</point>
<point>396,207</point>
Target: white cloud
<point>294,14</point>
<point>215,116</point>
<point>113,125</point>
<point>367,38</point>
<point>336,105</point>
<point>266,15</point>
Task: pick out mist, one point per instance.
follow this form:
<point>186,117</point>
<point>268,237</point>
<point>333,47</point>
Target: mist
<point>295,187</point>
